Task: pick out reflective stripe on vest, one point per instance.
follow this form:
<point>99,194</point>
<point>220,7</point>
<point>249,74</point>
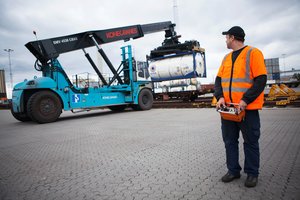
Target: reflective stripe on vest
<point>240,80</point>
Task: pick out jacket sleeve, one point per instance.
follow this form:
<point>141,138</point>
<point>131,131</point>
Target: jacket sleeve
<point>257,88</point>
<point>218,88</point>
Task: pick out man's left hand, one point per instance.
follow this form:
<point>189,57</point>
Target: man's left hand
<point>242,105</point>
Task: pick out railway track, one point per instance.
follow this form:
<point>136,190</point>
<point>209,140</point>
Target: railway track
<point>206,102</point>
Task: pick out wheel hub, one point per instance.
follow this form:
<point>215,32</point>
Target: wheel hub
<point>47,106</point>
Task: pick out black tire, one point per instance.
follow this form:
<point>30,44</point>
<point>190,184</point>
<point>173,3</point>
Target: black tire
<point>23,117</point>
<point>44,107</point>
<point>145,100</point>
<point>117,108</point>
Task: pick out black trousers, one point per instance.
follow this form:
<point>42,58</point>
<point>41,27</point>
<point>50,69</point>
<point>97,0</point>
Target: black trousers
<point>250,128</point>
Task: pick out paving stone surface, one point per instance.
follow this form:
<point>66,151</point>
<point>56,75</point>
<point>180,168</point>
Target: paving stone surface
<point>156,154</point>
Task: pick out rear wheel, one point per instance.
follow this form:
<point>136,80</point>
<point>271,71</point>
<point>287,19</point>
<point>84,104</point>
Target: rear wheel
<point>23,117</point>
<point>44,107</point>
<point>145,100</point>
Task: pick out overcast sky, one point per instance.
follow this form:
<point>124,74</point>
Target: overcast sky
<point>270,25</point>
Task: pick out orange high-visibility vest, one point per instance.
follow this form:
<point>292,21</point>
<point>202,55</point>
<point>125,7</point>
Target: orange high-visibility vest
<point>238,78</point>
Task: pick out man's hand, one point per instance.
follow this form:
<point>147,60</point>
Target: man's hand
<point>220,103</point>
<point>242,105</point>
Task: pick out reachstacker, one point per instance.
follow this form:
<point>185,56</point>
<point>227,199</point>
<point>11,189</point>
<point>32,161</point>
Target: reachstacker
<point>43,99</point>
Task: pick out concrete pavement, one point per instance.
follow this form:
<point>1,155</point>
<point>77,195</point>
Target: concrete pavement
<point>156,154</point>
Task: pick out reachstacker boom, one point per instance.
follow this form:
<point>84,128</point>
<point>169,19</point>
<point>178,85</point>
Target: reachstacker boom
<point>43,99</point>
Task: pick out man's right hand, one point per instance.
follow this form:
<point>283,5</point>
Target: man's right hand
<point>220,103</point>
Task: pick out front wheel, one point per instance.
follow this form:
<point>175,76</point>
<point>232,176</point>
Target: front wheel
<point>44,107</point>
<point>145,100</point>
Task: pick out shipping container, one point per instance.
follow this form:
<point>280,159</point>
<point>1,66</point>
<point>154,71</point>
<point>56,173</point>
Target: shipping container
<point>183,66</point>
<point>272,65</point>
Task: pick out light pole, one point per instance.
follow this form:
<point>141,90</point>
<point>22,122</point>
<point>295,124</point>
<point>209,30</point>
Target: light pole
<point>9,63</point>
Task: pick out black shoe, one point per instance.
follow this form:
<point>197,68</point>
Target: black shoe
<point>229,177</point>
<point>251,181</point>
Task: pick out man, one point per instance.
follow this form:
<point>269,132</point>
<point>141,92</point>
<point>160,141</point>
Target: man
<point>241,79</point>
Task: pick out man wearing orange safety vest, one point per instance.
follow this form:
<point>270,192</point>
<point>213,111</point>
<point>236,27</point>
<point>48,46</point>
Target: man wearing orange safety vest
<point>241,80</point>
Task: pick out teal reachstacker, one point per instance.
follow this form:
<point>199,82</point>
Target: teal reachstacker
<point>43,99</point>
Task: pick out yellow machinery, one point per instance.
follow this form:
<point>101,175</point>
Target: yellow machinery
<point>282,91</point>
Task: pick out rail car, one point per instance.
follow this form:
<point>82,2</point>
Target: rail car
<point>184,93</point>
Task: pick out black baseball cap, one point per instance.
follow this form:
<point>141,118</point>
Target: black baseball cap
<point>236,31</point>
